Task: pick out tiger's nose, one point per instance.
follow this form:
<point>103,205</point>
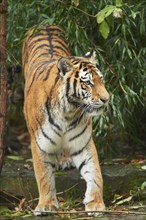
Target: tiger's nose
<point>104,100</point>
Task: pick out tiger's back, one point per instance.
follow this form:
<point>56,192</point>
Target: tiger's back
<point>62,92</point>
<point>50,44</point>
<point>40,53</point>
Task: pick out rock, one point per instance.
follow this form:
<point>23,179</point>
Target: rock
<point>118,179</point>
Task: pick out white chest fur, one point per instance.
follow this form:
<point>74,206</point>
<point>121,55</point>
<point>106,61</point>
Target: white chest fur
<point>60,136</point>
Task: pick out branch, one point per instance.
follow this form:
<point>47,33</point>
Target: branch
<point>78,9</point>
<point>112,212</point>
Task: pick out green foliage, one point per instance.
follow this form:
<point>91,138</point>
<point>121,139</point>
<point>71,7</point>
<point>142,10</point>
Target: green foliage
<point>116,30</point>
<point>11,214</point>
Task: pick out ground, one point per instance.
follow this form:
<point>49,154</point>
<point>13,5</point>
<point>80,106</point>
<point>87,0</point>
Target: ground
<point>124,190</point>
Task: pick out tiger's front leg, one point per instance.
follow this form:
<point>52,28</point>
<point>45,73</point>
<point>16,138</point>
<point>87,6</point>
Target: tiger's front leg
<point>87,162</point>
<point>44,167</point>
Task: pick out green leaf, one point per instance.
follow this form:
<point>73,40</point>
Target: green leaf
<point>15,157</point>
<point>143,186</point>
<point>118,3</point>
<point>60,173</point>
<point>124,200</point>
<point>27,215</point>
<point>104,29</point>
<point>143,168</point>
<point>105,12</point>
<point>4,210</point>
<point>129,53</point>
<point>29,160</point>
<point>76,2</point>
<point>119,200</point>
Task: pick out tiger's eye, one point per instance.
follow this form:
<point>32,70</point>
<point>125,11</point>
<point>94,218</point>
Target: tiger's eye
<point>85,69</point>
<point>88,83</point>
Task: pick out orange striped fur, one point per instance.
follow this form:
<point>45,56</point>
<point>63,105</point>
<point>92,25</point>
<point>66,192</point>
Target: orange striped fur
<point>62,92</point>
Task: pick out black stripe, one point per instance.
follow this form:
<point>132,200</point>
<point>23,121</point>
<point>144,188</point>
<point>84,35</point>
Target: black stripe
<point>39,146</point>
<point>32,67</point>
<point>61,36</point>
<point>74,123</point>
<point>40,33</point>
<point>36,141</point>
<point>40,46</point>
<point>31,83</point>
<point>56,80</point>
<point>34,41</point>
<point>33,36</point>
<point>32,53</point>
<point>37,66</point>
<point>54,85</point>
<point>40,73</point>
<point>60,49</point>
<point>50,41</point>
<point>85,63</point>
<point>62,43</point>
<point>44,37</point>
<point>34,76</point>
<point>75,62</point>
<point>80,66</point>
<point>86,172</point>
<point>78,135</point>
<point>56,54</point>
<point>50,118</point>
<point>48,62</point>
<point>67,86</point>
<point>77,74</point>
<point>84,163</point>
<point>44,54</point>
<point>97,184</point>
<point>48,72</point>
<point>74,86</point>
<point>57,133</point>
<point>80,151</point>
<point>51,164</point>
<point>45,135</point>
<point>79,93</point>
<point>60,39</point>
<point>73,101</point>
<point>55,28</point>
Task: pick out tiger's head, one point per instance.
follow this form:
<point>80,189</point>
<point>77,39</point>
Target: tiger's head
<point>83,83</point>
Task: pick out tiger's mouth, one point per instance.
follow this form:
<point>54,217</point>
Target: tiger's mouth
<point>88,108</point>
<point>93,109</point>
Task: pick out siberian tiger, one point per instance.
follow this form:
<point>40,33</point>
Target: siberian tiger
<point>62,92</point>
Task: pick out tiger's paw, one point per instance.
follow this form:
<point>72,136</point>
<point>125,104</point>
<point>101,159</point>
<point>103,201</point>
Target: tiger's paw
<point>41,210</point>
<point>94,208</point>
<point>94,203</point>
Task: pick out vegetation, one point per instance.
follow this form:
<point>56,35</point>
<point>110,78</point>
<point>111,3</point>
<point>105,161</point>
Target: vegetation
<point>116,30</point>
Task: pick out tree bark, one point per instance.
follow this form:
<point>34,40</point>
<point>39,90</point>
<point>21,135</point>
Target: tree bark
<point>3,80</point>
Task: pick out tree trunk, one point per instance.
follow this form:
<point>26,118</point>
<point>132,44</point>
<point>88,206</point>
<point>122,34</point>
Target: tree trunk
<point>3,80</point>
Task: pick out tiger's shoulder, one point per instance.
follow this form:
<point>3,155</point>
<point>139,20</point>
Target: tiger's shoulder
<point>57,81</point>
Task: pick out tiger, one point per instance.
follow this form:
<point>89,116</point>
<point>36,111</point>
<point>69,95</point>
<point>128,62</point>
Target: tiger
<point>61,94</point>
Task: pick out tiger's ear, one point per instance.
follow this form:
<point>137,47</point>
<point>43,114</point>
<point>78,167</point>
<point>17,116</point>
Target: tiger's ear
<point>64,66</point>
<point>91,56</point>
